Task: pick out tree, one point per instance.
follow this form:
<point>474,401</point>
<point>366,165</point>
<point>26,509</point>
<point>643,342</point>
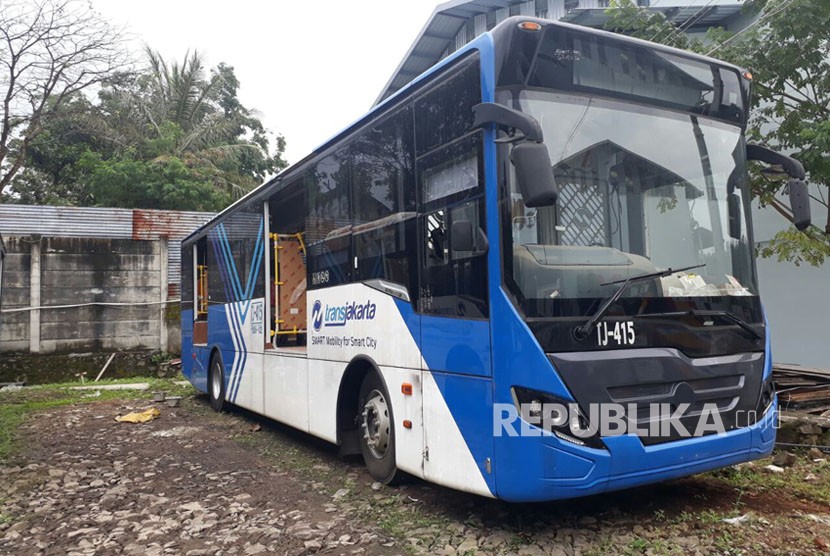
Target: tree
<point>50,51</point>
<point>787,49</point>
<point>170,135</point>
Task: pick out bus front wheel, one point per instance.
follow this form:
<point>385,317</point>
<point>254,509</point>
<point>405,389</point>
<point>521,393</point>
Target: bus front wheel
<point>377,430</point>
<point>216,383</point>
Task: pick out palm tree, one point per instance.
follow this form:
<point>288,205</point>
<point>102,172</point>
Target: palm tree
<point>179,110</point>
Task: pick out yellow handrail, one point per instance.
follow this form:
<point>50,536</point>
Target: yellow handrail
<point>202,290</point>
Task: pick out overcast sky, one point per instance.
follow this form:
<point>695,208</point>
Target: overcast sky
<point>309,68</point>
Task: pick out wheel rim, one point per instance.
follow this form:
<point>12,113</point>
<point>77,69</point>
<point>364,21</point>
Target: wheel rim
<point>376,424</point>
<point>216,382</point>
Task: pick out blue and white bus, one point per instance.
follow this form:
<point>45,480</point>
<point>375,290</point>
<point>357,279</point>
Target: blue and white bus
<point>551,217</point>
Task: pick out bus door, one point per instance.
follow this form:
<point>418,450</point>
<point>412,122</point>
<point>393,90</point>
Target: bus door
<point>453,304</point>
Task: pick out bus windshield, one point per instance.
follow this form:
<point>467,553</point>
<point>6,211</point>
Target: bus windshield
<point>641,189</point>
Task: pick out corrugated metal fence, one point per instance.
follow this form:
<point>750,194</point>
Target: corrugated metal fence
<point>113,223</point>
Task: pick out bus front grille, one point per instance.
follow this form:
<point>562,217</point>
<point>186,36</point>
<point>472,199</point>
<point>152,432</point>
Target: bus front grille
<point>668,395</point>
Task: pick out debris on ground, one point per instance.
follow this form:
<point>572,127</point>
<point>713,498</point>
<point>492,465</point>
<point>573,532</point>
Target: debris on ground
<point>736,520</point>
<point>139,416</point>
<point>11,386</point>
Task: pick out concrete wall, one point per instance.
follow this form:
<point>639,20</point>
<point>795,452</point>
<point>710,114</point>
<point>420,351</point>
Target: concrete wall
<point>46,272</point>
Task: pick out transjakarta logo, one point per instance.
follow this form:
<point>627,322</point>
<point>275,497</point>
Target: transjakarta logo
<point>317,315</point>
<point>339,315</point>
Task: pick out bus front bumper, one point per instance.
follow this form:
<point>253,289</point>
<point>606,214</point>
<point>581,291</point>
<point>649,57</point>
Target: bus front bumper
<point>563,470</point>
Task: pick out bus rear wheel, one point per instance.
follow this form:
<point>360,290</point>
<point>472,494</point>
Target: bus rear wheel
<point>216,383</point>
<point>377,430</point>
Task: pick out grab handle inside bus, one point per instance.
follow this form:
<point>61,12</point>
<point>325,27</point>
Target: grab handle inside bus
<point>797,184</point>
<point>530,157</point>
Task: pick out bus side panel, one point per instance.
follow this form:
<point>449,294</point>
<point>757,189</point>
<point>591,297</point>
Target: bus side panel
<point>354,320</point>
<point>285,389</point>
<point>245,324</point>
<point>187,343</point>
<point>324,379</point>
<point>452,404</point>
<point>249,384</point>
<point>457,408</point>
<point>221,338</point>
<point>201,364</point>
<point>409,442</point>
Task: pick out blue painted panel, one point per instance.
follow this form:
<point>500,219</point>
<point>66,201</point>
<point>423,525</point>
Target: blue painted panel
<point>219,335</point>
<point>767,347</point>
<point>187,342</point>
<point>544,468</point>
<point>469,399</point>
<point>201,364</point>
<point>456,345</point>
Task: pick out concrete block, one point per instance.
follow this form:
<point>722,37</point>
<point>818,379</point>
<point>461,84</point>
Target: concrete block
<point>84,278</point>
<point>98,330</point>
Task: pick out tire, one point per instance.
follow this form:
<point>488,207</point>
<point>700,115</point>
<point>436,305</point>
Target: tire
<point>376,430</point>
<point>216,383</point>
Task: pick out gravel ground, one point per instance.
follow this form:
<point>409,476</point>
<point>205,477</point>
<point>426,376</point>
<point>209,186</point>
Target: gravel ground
<point>171,486</point>
<point>197,483</point>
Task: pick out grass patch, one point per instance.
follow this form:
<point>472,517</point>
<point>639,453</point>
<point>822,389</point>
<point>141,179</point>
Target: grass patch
<point>755,479</point>
<point>18,405</point>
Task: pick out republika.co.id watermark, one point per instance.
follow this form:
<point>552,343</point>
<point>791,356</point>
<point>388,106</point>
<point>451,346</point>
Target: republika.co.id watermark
<point>656,420</point>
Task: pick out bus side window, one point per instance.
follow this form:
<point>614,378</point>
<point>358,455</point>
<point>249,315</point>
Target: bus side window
<point>383,202</point>
<point>450,185</point>
<point>328,224</point>
<point>453,283</point>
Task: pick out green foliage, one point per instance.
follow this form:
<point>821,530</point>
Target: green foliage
<point>627,18</point>
<point>788,52</point>
<point>797,247</point>
<point>166,183</point>
<point>168,137</point>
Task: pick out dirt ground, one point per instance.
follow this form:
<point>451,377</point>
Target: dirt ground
<point>197,483</point>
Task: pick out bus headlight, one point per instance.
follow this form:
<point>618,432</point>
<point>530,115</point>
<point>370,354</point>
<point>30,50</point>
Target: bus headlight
<point>562,418</point>
<point>766,398</point>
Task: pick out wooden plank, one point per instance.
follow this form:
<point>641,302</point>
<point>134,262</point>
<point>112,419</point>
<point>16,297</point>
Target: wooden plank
<point>104,368</point>
<point>801,371</point>
<point>807,395</point>
<point>292,290</point>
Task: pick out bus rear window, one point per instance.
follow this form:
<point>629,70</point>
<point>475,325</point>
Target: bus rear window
<point>574,61</point>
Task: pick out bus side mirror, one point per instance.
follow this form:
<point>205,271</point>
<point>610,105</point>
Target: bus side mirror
<point>733,201</point>
<point>530,157</point>
<point>534,174</point>
<point>800,203</point>
<point>799,195</point>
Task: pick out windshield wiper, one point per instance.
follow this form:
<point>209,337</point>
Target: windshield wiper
<point>726,315</point>
<point>581,332</point>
